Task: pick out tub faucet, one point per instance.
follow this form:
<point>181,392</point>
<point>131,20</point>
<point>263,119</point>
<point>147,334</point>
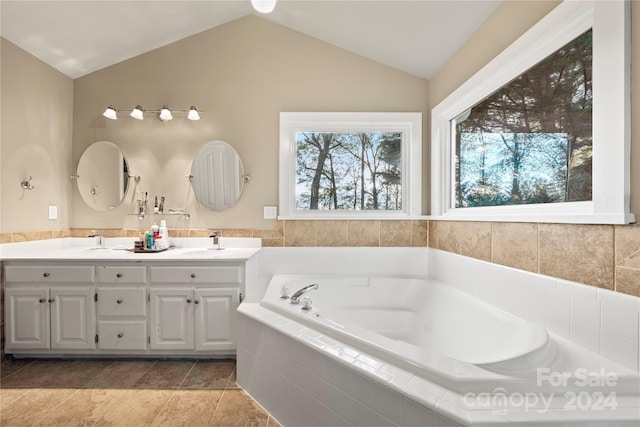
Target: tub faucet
<point>295,298</point>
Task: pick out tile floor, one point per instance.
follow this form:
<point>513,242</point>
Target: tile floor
<point>132,392</point>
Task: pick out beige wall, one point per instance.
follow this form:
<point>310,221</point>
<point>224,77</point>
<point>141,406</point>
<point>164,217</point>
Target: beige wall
<point>37,111</point>
<point>242,75</point>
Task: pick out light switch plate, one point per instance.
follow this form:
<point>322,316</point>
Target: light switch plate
<point>270,212</point>
<point>53,212</point>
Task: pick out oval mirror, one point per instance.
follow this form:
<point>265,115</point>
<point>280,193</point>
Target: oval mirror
<point>217,176</point>
<point>103,176</point>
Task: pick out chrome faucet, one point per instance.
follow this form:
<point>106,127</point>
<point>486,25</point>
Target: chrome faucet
<point>100,240</point>
<point>295,298</point>
<point>216,240</point>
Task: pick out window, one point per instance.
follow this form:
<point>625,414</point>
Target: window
<point>532,136</point>
<point>350,165</point>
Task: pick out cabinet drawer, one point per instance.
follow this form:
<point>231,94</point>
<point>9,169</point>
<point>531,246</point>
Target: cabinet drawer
<point>122,301</point>
<point>122,274</point>
<point>119,335</point>
<point>49,274</point>
<point>231,274</point>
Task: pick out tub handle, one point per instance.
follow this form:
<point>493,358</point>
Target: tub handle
<point>306,303</point>
<point>284,292</point>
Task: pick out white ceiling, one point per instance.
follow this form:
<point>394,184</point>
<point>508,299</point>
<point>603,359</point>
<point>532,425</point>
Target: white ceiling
<point>79,37</point>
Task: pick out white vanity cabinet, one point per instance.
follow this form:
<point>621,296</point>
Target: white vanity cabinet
<point>49,307</point>
<point>122,307</point>
<point>151,307</point>
<point>194,307</point>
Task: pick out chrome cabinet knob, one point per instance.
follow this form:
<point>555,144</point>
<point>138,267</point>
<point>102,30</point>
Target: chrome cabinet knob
<point>42,300</point>
<point>119,301</point>
<point>52,300</point>
<point>45,274</point>
<point>193,276</point>
<point>196,302</point>
<point>188,300</point>
<point>119,275</point>
<point>120,335</point>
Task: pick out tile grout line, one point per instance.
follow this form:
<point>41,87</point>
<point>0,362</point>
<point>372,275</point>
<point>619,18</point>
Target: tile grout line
<point>186,375</point>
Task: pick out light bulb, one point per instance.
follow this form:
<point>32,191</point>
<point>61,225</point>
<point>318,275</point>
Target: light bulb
<point>137,113</point>
<point>165,114</point>
<point>193,114</point>
<point>111,113</point>
<point>264,6</point>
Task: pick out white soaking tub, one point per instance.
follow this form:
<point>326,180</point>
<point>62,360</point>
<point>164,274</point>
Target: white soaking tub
<point>458,357</point>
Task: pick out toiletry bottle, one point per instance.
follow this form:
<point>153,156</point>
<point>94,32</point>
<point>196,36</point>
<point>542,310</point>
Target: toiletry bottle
<point>155,230</point>
<point>164,233</point>
<point>156,208</point>
<point>149,240</point>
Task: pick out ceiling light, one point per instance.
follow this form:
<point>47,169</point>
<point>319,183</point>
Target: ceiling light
<point>165,114</point>
<point>138,113</point>
<point>264,6</point>
<point>111,113</point>
<point>193,114</point>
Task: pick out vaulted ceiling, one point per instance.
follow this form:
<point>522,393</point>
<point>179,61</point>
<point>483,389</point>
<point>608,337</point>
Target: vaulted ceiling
<point>79,37</point>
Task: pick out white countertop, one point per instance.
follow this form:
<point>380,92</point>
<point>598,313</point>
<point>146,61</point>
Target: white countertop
<point>85,249</point>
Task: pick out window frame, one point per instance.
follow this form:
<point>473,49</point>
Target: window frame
<point>610,22</point>
<point>410,124</point>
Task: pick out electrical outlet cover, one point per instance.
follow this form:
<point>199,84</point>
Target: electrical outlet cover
<point>270,212</point>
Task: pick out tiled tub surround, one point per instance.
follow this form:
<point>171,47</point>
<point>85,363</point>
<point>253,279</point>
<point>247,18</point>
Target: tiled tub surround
<point>605,256</point>
<point>286,365</point>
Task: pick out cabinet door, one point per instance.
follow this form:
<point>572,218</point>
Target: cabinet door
<point>215,313</point>
<point>26,318</point>
<point>73,319</point>
<point>171,318</point>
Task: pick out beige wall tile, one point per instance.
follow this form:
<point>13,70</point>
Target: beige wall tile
<point>180,232</point>
<point>395,233</point>
<point>276,233</point>
<point>515,245</point>
<point>364,233</point>
<point>300,233</point>
<point>628,281</point>
<point>60,234</point>
<point>199,232</point>
<point>471,239</point>
<point>332,233</point>
<point>419,233</point>
<point>6,237</point>
<point>236,232</point>
<point>28,236</point>
<point>627,240</point>
<point>582,253</point>
<point>272,243</point>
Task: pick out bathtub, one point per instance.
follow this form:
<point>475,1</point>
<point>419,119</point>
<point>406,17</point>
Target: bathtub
<point>459,357</point>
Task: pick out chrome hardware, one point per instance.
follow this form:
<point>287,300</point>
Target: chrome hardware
<point>52,300</point>
<point>26,184</point>
<point>119,275</point>
<point>45,274</point>
<point>216,240</point>
<point>188,300</point>
<point>193,276</point>
<point>196,302</point>
<point>119,301</point>
<point>284,292</point>
<point>306,303</point>
<point>120,335</point>
<point>42,300</point>
<point>295,298</point>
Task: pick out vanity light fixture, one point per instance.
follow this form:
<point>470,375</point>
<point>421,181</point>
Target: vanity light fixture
<point>193,113</point>
<point>165,113</point>
<point>137,113</point>
<point>110,113</point>
<point>264,6</point>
